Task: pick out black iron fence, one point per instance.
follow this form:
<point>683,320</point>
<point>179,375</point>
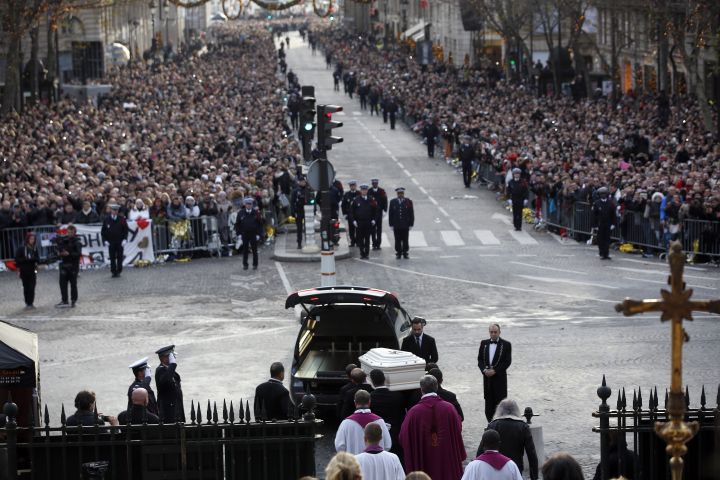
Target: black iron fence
<point>630,447</point>
<point>225,445</point>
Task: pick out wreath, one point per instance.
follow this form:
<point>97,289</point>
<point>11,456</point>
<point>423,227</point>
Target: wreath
<point>329,11</point>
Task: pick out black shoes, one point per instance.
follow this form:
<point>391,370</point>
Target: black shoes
<point>398,255</point>
<point>245,267</point>
<point>406,256</point>
<point>62,305</point>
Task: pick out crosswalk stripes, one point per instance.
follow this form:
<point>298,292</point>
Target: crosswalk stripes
<point>523,237</point>
<point>486,237</point>
<point>454,238</point>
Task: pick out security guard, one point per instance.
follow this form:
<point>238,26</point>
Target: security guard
<point>345,205</point>
<point>604,212</point>
<point>467,155</point>
<point>248,227</point>
<point>363,212</point>
<point>114,234</point>
<point>517,189</point>
<point>298,198</point>
<point>378,194</point>
<point>401,218</point>
<point>167,381</point>
<point>143,378</point>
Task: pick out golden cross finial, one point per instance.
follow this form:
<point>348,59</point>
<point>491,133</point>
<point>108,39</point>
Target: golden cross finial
<point>675,306</point>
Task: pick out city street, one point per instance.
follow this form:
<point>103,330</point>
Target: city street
<point>468,268</point>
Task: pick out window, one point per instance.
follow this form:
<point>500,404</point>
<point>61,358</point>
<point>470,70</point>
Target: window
<point>87,60</point>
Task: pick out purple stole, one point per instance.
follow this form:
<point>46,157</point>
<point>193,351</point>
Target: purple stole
<point>363,419</point>
<point>495,459</point>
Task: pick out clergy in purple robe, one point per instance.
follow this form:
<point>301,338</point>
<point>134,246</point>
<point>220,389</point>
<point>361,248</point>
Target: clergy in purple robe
<point>431,435</point>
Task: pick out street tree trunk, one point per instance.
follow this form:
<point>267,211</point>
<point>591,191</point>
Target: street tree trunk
<point>11,97</point>
<point>34,70</point>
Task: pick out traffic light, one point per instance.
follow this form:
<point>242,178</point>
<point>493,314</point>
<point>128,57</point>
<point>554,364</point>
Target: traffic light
<point>325,126</point>
<point>307,117</point>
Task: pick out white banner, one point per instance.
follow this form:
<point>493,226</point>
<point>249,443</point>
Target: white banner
<point>95,255</point>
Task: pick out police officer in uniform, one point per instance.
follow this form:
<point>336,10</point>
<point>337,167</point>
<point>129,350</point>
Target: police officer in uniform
<point>401,218</point>
<point>467,155</point>
<point>518,191</point>
<point>392,109</point>
<point>167,381</point>
<point>114,234</point>
<point>143,379</point>
<point>378,194</point>
<point>363,212</point>
<point>298,198</point>
<point>248,227</point>
<point>430,132</point>
<point>604,212</point>
<point>345,206</point>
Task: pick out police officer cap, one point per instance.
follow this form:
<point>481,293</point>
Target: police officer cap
<point>352,182</point>
<point>603,191</point>
<point>516,170</point>
<point>114,206</point>
<point>364,186</point>
<point>248,201</point>
<point>139,365</point>
<point>374,180</point>
<point>165,350</point>
<point>400,189</point>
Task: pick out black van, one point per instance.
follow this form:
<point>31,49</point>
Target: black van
<point>338,325</point>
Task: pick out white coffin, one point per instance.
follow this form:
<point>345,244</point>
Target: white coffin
<point>402,370</point>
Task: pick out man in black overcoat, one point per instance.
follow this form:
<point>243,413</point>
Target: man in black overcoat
<point>388,405</point>
<point>272,399</point>
<point>420,343</point>
<point>494,358</point>
<point>169,388</point>
<point>363,212</point>
<point>604,213</point>
<point>114,234</point>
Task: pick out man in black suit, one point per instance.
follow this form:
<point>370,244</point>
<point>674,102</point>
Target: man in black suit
<point>388,405</point>
<point>272,399</point>
<point>419,343</point>
<point>347,401</point>
<point>494,358</point>
<point>446,395</point>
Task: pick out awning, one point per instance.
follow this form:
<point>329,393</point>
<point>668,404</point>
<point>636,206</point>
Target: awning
<point>415,32</point>
<point>18,356</point>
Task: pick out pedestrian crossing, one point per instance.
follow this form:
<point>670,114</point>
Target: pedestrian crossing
<point>457,238</point>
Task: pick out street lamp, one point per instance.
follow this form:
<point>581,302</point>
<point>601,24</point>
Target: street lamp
<point>152,8</point>
<point>166,12</point>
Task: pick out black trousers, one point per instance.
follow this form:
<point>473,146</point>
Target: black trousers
<point>517,209</point>
<point>249,243</point>
<point>385,116</point>
<point>377,232</point>
<point>117,254</point>
<point>373,108</point>
<point>68,276</point>
<point>352,233</point>
<point>29,279</point>
<point>431,147</point>
<point>392,121</point>
<point>300,225</point>
<point>363,102</point>
<point>362,235</point>
<point>467,173</point>
<point>401,240</point>
<point>603,240</point>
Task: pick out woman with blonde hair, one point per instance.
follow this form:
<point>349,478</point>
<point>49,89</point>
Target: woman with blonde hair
<point>343,466</point>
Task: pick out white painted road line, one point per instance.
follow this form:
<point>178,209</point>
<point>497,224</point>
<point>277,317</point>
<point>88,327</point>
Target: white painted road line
<point>443,211</point>
<point>563,270</point>
<point>288,287</point>
<point>503,218</point>
<point>385,239</point>
<point>424,192</point>
<point>455,224</point>
<point>357,114</point>
<point>562,280</point>
<point>414,180</point>
<point>523,237</point>
<point>416,239</point>
<point>432,200</point>
<point>487,237</point>
<point>400,164</point>
<point>658,282</point>
<point>656,264</point>
<point>405,170</point>
<point>660,272</point>
<point>452,238</point>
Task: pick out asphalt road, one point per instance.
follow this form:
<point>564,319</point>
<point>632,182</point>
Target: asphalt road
<point>554,301</point>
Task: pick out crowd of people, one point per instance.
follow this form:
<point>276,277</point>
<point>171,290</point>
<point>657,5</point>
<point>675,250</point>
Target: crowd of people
<point>646,150</point>
<point>176,140</point>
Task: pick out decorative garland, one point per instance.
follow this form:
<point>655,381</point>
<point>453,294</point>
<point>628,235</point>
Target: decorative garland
<point>329,11</point>
<point>182,4</point>
<point>273,7</point>
<point>240,12</point>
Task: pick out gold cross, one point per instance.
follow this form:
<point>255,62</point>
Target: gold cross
<point>675,306</point>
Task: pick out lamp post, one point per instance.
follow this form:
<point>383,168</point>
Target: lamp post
<point>152,8</point>
<point>166,12</point>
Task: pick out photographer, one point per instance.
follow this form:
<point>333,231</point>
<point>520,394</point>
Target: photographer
<point>85,414</point>
<point>70,250</point>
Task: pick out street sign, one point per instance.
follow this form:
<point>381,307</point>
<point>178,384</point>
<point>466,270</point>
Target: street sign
<point>313,174</point>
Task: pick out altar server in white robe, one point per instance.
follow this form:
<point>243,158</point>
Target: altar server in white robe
<point>376,463</point>
<point>350,436</point>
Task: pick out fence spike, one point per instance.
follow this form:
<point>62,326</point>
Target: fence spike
<point>47,416</point>
<point>192,412</point>
<point>635,400</point>
<point>651,401</point>
<point>687,398</point>
<point>717,399</point>
<point>95,414</point>
<point>241,412</point>
<point>62,415</point>
<point>232,412</point>
<point>666,398</point>
<point>703,400</point>
<point>215,414</point>
<point>208,412</point>
<point>619,401</point>
<point>199,414</point>
<point>639,399</point>
<point>604,384</point>
<point>225,411</point>
<point>624,399</point>
<point>657,400</point>
<point>247,411</point>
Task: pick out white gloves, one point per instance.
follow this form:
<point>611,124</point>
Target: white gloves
<point>525,202</point>
<point>107,244</point>
<point>612,227</point>
<point>257,237</point>
<point>124,242</point>
<point>372,222</point>
<point>148,372</point>
<point>172,358</point>
<point>238,243</point>
<point>355,223</point>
